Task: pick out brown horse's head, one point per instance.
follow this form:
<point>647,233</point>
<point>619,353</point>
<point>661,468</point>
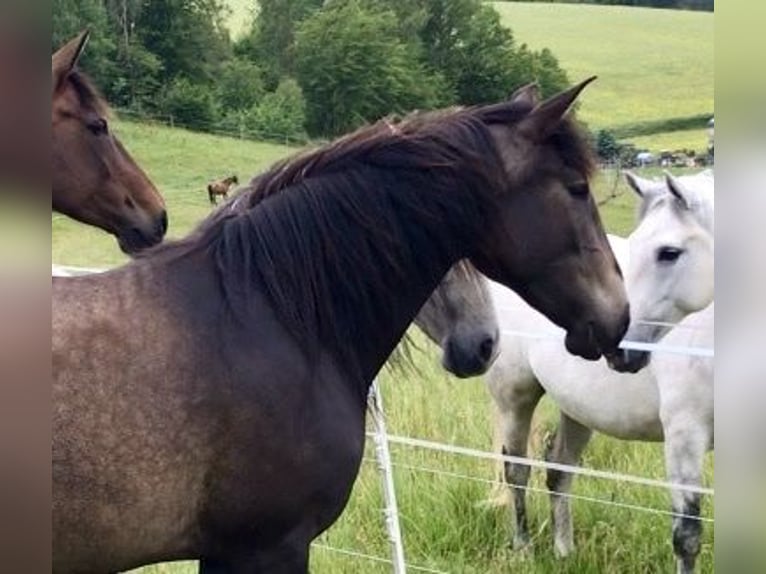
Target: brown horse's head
<point>546,240</point>
<point>94,179</point>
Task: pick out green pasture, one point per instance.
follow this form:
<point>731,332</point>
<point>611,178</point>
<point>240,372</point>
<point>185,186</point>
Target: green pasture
<point>445,525</point>
<point>651,64</point>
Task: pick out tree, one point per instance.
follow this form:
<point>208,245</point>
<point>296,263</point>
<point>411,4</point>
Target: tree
<point>239,85</point>
<point>466,42</point>
<point>188,36</point>
<point>353,68</point>
<point>70,17</point>
<point>270,41</point>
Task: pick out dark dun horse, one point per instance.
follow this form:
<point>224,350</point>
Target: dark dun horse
<point>93,178</point>
<point>209,398</point>
<point>220,187</point>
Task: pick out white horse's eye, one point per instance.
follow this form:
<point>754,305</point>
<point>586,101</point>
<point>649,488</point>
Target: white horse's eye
<point>668,254</point>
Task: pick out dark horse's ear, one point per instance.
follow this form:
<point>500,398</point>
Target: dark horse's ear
<point>529,94</point>
<point>66,57</point>
<point>544,119</point>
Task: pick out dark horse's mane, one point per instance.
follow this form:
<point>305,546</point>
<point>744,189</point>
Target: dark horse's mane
<point>323,234</point>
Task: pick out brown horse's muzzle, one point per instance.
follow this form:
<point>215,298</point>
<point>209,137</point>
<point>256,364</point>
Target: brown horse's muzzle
<point>132,240</point>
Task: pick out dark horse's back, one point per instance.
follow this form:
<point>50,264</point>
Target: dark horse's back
<point>174,407</point>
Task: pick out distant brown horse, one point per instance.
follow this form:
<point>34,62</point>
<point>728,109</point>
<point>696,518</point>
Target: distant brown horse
<point>93,178</point>
<point>221,187</point>
<point>209,398</point>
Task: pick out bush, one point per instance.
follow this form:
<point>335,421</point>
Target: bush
<point>189,105</point>
<point>280,115</point>
<point>240,85</point>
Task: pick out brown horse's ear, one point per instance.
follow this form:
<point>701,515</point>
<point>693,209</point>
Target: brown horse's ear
<point>544,119</point>
<point>529,94</point>
<point>66,57</point>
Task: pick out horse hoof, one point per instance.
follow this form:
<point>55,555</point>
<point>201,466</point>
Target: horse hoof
<point>521,544</point>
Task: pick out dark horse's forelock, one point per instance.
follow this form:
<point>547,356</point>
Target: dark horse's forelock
<point>319,232</point>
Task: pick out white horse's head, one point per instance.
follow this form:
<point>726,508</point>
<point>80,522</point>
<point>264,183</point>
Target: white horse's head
<point>670,269</point>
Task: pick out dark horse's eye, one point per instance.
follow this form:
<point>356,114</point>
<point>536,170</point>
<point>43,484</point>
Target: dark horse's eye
<point>579,189</point>
<point>98,127</point>
<point>668,254</point>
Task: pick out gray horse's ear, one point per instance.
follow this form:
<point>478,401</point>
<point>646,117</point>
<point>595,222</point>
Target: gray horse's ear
<point>678,190</point>
<point>529,94</point>
<point>636,183</point>
<point>66,57</point>
<point>545,118</point>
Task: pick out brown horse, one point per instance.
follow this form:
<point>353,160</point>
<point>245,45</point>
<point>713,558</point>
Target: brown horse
<point>221,187</point>
<point>94,180</point>
<point>210,397</point>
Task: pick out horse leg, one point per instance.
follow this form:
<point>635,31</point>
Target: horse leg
<point>515,422</point>
<point>211,195</point>
<point>570,440</point>
<point>685,447</point>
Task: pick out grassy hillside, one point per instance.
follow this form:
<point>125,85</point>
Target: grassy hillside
<point>652,64</point>
<point>444,526</point>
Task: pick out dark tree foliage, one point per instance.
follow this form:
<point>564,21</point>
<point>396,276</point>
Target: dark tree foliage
<point>353,69</point>
<point>327,65</point>
<point>187,35</point>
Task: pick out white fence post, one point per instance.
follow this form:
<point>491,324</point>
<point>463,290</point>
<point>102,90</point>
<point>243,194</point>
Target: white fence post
<point>380,438</point>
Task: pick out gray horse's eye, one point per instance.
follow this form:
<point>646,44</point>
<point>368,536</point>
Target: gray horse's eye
<point>668,254</point>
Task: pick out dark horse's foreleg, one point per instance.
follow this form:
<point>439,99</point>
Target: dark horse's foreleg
<point>284,559</point>
<point>568,444</point>
<point>211,195</point>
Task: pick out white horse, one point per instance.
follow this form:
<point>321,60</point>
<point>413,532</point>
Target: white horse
<point>669,277</point>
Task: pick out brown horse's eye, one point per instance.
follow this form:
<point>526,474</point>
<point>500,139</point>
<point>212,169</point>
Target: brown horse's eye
<point>98,127</point>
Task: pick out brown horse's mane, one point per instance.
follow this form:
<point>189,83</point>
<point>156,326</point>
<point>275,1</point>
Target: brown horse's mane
<point>329,234</point>
<point>88,93</point>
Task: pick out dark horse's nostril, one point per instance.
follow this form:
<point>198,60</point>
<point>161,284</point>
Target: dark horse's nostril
<point>164,221</point>
<point>486,348</point>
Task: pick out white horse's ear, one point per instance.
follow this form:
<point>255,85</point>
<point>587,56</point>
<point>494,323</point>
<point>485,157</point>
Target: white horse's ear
<point>66,57</point>
<point>529,94</point>
<point>643,187</point>
<point>678,190</point>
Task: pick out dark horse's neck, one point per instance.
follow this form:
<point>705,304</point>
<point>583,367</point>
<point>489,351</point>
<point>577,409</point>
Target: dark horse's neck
<point>347,259</point>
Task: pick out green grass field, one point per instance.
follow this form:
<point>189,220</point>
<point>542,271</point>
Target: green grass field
<point>443,524</point>
<point>651,64</point>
